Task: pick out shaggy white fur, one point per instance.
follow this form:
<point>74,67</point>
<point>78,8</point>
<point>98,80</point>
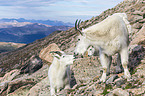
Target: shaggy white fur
<point>59,71</point>
<point>111,36</point>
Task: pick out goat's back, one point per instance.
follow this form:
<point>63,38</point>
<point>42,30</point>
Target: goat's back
<point>108,29</point>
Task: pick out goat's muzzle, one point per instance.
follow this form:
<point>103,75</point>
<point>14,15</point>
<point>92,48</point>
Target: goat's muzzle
<point>76,55</point>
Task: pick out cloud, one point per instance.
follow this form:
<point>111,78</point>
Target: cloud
<point>28,3</point>
<point>54,9</point>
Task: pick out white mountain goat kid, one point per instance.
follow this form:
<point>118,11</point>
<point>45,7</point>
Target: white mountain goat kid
<point>110,36</point>
<point>59,71</point>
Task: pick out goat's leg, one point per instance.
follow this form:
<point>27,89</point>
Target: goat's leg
<point>118,67</point>
<point>58,88</point>
<point>109,61</point>
<point>67,78</point>
<point>67,83</point>
<point>59,85</point>
<point>105,64</point>
<point>67,86</point>
<point>52,91</point>
<point>124,61</point>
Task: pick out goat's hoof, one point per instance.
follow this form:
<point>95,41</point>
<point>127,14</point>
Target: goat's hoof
<point>128,78</point>
<point>102,81</point>
<point>127,75</point>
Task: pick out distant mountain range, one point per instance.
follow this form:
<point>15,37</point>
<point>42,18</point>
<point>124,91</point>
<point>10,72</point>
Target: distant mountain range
<point>47,22</point>
<point>26,31</point>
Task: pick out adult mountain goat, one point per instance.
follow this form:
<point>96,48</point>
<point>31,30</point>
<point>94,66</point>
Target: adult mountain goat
<point>110,36</point>
<point>59,71</point>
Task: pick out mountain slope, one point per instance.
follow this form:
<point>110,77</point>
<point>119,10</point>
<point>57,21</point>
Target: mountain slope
<point>39,85</point>
<point>28,33</point>
<point>65,39</point>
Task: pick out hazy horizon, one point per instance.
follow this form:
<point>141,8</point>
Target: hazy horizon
<point>56,10</point>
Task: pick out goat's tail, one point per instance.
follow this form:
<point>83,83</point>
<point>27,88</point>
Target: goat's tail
<point>125,19</point>
<point>127,23</point>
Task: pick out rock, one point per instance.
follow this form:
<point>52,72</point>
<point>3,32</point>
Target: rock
<point>138,91</point>
<point>142,21</point>
<point>135,48</point>
<point>111,79</point>
<point>1,69</point>
<point>137,18</point>
<point>84,71</point>
<point>131,47</point>
<point>137,25</point>
<point>140,71</point>
<point>140,37</point>
<point>3,87</point>
<point>44,53</point>
<point>34,91</point>
<point>136,55</point>
<point>143,83</point>
<point>34,64</point>
<point>119,69</point>
<point>2,72</point>
<point>137,13</point>
<point>10,86</point>
<point>22,91</point>
<point>40,89</point>
<point>22,85</point>
<point>118,92</point>
<point>138,48</point>
<point>119,81</point>
<point>10,75</point>
<point>4,81</point>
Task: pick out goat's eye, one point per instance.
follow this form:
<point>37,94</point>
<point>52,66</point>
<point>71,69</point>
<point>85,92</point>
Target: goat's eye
<point>63,56</point>
<point>78,39</point>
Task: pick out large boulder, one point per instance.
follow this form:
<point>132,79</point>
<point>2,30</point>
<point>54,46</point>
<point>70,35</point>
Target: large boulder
<point>40,89</point>
<point>44,53</point>
<point>119,92</point>
<point>34,64</point>
<point>140,37</point>
<point>21,84</point>
<point>10,75</point>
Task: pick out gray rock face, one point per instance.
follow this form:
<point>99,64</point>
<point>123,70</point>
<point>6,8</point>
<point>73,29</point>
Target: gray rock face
<point>118,92</point>
<point>34,64</point>
<point>111,79</point>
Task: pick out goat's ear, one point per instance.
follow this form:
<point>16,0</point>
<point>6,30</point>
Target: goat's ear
<point>56,54</point>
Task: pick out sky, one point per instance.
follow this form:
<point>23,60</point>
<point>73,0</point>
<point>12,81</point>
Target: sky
<point>60,10</point>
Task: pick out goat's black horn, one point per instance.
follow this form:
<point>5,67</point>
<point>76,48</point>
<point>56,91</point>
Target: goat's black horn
<point>77,28</point>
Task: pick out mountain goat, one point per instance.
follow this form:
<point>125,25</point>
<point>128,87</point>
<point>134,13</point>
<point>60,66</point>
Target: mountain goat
<point>59,71</point>
<point>110,36</point>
